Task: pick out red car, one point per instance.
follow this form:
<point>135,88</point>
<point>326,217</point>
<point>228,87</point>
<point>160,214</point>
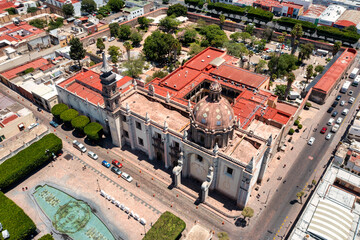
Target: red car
<point>116,163</point>
<point>323,130</point>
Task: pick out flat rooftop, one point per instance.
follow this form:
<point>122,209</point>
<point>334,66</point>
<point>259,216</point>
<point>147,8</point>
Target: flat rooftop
<point>332,13</point>
<point>314,11</point>
<point>352,16</point>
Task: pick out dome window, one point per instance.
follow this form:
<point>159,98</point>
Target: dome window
<point>218,123</point>
<point>230,117</point>
<point>203,121</point>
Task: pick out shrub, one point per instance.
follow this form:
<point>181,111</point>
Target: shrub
<point>223,236</point>
<point>93,131</point>
<point>296,122</point>
<point>168,226</point>
<point>291,131</point>
<point>57,109</point>
<point>28,160</point>
<point>47,237</point>
<point>80,122</point>
<point>29,70</point>
<point>300,126</point>
<point>68,115</point>
<point>308,105</point>
<point>15,220</point>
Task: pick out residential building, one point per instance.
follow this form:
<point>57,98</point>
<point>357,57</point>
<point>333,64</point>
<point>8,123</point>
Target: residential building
<point>14,118</point>
<point>333,211</point>
<point>62,36</point>
<point>313,13</point>
<point>133,12</point>
<point>348,4</point>
<point>243,3</point>
<point>56,5</point>
<point>146,5</point>
<point>290,9</point>
<point>348,18</point>
<point>305,3</point>
<point>22,6</point>
<point>269,5</point>
<point>331,15</point>
<point>209,120</point>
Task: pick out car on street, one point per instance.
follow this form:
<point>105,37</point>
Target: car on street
<point>93,155</point>
<point>39,109</point>
<point>334,114</point>
<point>111,39</point>
<point>335,103</point>
<point>342,103</point>
<point>328,136</point>
<point>330,109</point>
<point>350,92</point>
<point>116,170</point>
<point>117,163</point>
<point>345,111</point>
<point>323,130</point>
<point>311,141</point>
<point>79,146</point>
<point>127,177</point>
<point>351,100</point>
<point>338,97</point>
<point>335,128</point>
<point>54,124</point>
<point>105,164</point>
<point>330,122</point>
<point>32,126</point>
<point>339,120</point>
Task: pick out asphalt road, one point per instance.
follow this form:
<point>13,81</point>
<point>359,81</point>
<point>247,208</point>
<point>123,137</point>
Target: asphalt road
<point>302,171</point>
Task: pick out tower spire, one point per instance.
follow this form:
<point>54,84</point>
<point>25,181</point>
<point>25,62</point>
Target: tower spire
<point>105,68</point>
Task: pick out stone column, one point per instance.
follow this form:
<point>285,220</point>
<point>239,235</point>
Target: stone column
<point>205,185</point>
<point>166,145</point>
<point>130,126</point>
<point>149,137</point>
<point>177,170</point>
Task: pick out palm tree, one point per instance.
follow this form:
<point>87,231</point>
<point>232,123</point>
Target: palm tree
<point>250,54</point>
<point>296,34</point>
<point>222,20</point>
<point>309,72</point>
<point>299,195</point>
<point>127,46</point>
<point>336,47</point>
<point>290,80</point>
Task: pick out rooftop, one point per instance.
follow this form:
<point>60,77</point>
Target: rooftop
<point>126,9</point>
<point>18,32</point>
<point>314,11</point>
<point>327,81</point>
<point>292,5</point>
<point>332,13</point>
<point>268,3</point>
<point>37,63</point>
<point>348,18</point>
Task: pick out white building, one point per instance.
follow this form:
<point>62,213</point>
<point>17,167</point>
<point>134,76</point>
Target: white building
<point>313,13</point>
<point>331,15</point>
<point>348,4</point>
<point>22,7</point>
<point>133,12</point>
<point>76,3</point>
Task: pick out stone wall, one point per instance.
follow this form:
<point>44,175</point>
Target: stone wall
<point>9,18</point>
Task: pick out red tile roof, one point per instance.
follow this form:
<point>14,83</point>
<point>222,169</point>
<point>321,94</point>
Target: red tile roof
<point>328,80</point>
<point>5,5</point>
<point>13,31</point>
<point>201,60</point>
<point>268,3</point>
<point>9,74</point>
<point>9,119</point>
<point>344,23</point>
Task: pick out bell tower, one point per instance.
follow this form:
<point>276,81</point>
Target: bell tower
<point>110,92</point>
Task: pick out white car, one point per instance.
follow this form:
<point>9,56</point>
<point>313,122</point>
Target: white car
<point>111,39</point>
<point>93,155</point>
<point>345,111</point>
<point>351,100</point>
<point>127,177</point>
<point>32,126</point>
<point>339,120</point>
<point>328,136</point>
<point>342,103</point>
<point>335,128</point>
<point>311,141</point>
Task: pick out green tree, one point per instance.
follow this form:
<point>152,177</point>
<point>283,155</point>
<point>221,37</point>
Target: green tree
<point>296,33</point>
<point>280,91</point>
<point>235,36</point>
<point>68,10</point>
<point>38,23</point>
<point>144,22</point>
<point>351,28</point>
<point>305,51</point>
<point>222,20</point>
<point>282,65</point>
<point>136,38</point>
<point>223,236</point>
<point>47,237</point>
<point>189,36</point>
<point>32,9</point>
<point>134,67</point>
<point>319,68</point>
<point>250,54</point>
<point>80,122</point>
<point>195,49</point>
<point>93,131</point>
<point>68,115</point>
<point>11,11</point>
<point>157,74</point>
<point>249,28</point>
<point>128,47</point>
<point>267,34</point>
<point>100,44</point>
<point>169,24</point>
<point>177,10</point>
<point>165,1</point>
<point>237,50</point>
<point>247,212</point>
<point>104,11</point>
<point>260,66</point>
<point>56,24</point>
<point>114,53</point>
<point>244,36</point>
<point>88,6</point>
<point>309,72</point>
<point>159,46</point>
<point>57,109</point>
<point>336,47</point>
<point>77,51</point>
<point>290,79</point>
<point>114,29</point>
<point>214,35</point>
<point>125,31</point>
<point>116,5</point>
<point>299,195</point>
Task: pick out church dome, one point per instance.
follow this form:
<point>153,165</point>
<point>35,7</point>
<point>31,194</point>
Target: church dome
<point>213,112</point>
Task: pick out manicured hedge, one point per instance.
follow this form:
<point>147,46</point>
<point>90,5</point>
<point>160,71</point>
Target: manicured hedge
<point>15,220</point>
<point>226,8</point>
<point>80,122</point>
<point>291,22</point>
<point>57,109</point>
<point>198,3</point>
<point>168,227</point>
<point>262,15</point>
<point>69,115</point>
<point>47,237</point>
<point>93,131</point>
<point>28,160</point>
<point>342,35</point>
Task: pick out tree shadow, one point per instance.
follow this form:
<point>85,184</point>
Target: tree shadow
<point>240,222</point>
<point>66,127</point>
<point>292,202</point>
<point>78,134</point>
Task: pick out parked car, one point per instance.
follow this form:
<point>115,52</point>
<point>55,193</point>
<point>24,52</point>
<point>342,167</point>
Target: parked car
<point>328,136</point>
<point>93,155</point>
<point>323,130</point>
<point>127,177</point>
<point>342,103</point>
<point>351,100</point>
<point>311,141</point>
<point>338,97</point>
<point>117,163</point>
<point>330,122</point>
<point>105,164</point>
<point>79,146</point>
<point>339,120</point>
<point>116,170</point>
<point>54,124</point>
<point>111,39</point>
<point>335,103</point>
<point>334,114</point>
<point>345,111</point>
<point>32,126</point>
<point>330,109</point>
<point>335,128</point>
<point>350,92</point>
<point>39,109</point>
